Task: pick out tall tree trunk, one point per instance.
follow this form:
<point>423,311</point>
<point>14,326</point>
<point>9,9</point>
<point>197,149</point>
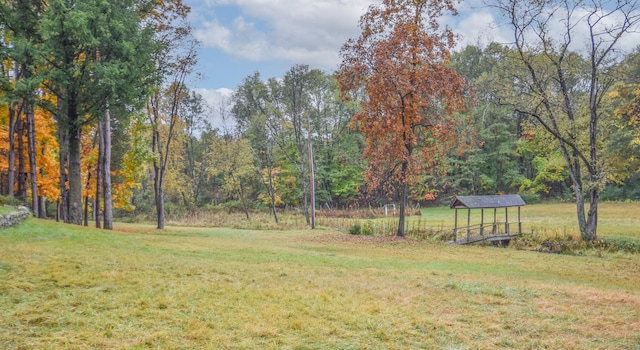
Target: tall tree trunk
<point>592,217</point>
<point>31,143</point>
<point>582,222</point>
<point>96,209</point>
<point>312,184</point>
<point>158,175</point>
<point>86,201</point>
<point>159,194</point>
<point>43,207</point>
<point>62,212</point>
<point>75,178</point>
<point>106,169</point>
<point>22,188</point>
<point>11,166</point>
<point>272,194</point>
<point>403,200</point>
<point>243,200</point>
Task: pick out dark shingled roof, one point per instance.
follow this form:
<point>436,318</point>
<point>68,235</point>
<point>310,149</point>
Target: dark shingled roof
<point>479,202</point>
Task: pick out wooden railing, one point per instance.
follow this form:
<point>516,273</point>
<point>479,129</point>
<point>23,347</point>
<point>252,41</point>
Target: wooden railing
<point>494,229</point>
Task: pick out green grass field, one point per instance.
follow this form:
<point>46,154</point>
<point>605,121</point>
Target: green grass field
<point>136,287</point>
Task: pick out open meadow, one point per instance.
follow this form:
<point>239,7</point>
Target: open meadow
<point>65,286</point>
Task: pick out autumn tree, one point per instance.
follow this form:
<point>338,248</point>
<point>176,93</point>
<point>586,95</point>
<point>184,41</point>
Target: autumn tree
<point>95,55</point>
<point>401,60</point>
<point>564,55</point>
<point>22,21</point>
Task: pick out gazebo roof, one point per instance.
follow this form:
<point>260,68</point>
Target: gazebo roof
<point>491,201</point>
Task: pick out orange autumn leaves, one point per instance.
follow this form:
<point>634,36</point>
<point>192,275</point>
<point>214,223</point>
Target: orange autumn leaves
<point>402,61</point>
<point>48,167</point>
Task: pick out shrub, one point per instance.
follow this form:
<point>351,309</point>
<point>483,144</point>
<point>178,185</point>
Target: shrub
<point>530,198</point>
<point>355,229</point>
<point>367,229</point>
<point>13,201</point>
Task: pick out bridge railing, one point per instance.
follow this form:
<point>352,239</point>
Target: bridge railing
<point>497,228</point>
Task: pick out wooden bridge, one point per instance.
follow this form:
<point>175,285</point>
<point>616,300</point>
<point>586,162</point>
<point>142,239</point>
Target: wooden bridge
<point>500,232</point>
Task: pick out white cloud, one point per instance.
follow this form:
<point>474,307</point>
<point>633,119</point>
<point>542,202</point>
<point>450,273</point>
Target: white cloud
<point>218,101</point>
<point>479,28</point>
<point>580,27</point>
<point>285,30</point>
<point>314,32</point>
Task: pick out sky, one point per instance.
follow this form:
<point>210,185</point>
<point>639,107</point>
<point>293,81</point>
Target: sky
<point>240,37</point>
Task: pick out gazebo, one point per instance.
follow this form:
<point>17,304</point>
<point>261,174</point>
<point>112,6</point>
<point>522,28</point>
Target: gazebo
<point>494,202</point>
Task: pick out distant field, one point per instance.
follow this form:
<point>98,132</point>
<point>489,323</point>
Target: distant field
<point>616,220</point>
<point>136,287</point>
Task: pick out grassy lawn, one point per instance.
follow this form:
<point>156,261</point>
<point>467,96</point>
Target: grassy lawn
<point>615,220</point>
<point>72,287</point>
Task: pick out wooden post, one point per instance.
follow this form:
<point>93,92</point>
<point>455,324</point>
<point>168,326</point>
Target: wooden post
<point>455,227</point>
<point>506,220</point>
<point>519,223</point>
<point>468,224</point>
<point>495,222</point>
<point>482,222</point>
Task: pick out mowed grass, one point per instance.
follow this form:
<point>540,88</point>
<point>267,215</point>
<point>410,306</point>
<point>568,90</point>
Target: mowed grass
<point>136,287</point>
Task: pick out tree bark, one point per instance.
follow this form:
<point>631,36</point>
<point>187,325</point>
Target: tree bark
<point>86,201</point>
<point>11,166</point>
<point>159,194</point>
<point>96,208</point>
<point>272,194</point>
<point>31,143</point>
<point>21,194</point>
<point>106,169</point>
<point>43,207</point>
<point>62,210</point>
<point>243,200</point>
<point>403,200</point>
<point>75,178</point>
<point>312,181</point>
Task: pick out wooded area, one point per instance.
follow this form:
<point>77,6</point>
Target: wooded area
<point>97,119</point>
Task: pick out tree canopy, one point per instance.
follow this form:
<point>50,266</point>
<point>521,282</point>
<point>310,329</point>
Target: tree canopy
<point>401,60</point>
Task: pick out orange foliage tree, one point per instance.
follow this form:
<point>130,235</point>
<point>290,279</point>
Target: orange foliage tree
<point>401,60</point>
<point>48,173</point>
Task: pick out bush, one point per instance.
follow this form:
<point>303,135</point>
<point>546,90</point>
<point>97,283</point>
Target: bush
<point>358,229</point>
<point>367,229</point>
<point>530,198</point>
<point>12,201</point>
<point>355,229</point>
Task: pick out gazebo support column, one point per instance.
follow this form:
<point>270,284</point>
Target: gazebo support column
<point>468,224</point>
<point>482,222</point>
<point>519,223</point>
<point>455,227</point>
<point>506,220</point>
<point>495,222</point>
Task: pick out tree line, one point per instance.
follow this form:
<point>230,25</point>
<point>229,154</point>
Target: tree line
<point>97,118</point>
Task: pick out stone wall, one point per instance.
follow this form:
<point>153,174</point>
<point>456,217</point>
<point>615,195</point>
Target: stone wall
<point>14,218</point>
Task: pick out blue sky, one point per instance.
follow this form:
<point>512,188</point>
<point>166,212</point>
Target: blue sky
<point>240,37</point>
